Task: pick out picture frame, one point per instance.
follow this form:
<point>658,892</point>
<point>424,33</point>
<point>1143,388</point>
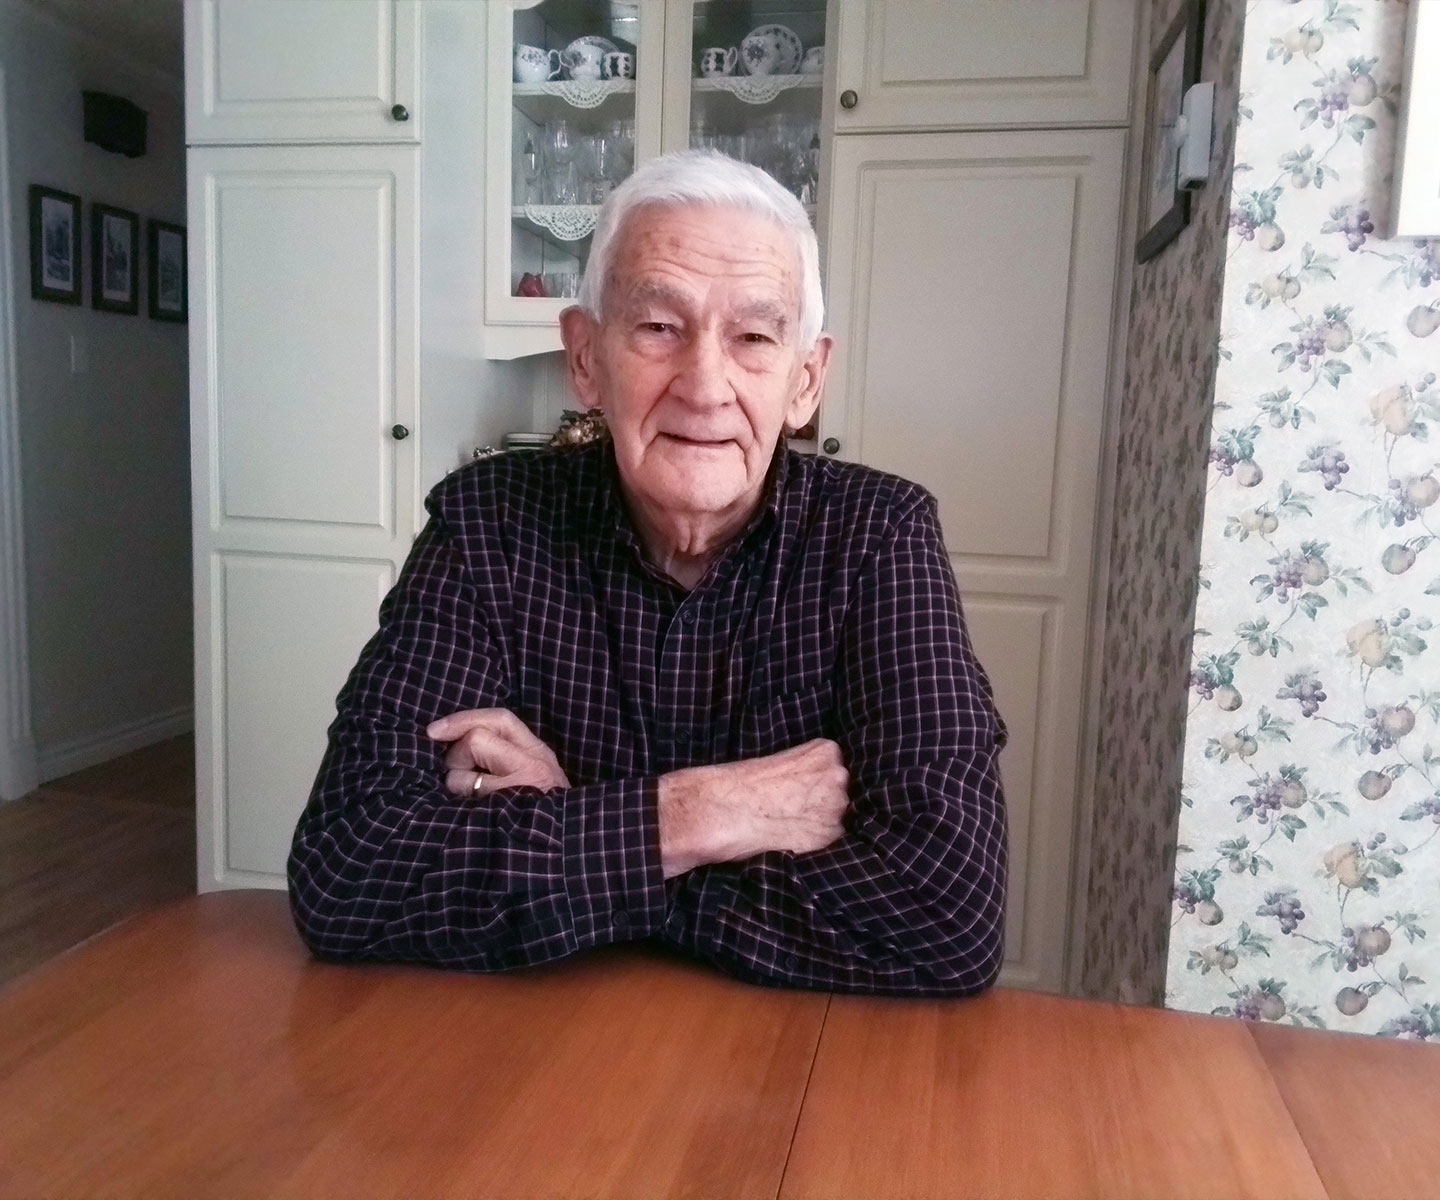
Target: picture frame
<point>1174,69</point>
<point>55,256</point>
<point>169,289</point>
<point>1415,208</point>
<point>114,259</point>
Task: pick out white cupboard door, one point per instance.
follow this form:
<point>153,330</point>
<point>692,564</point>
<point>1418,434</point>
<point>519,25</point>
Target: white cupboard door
<point>956,64</point>
<point>301,71</point>
<point>304,449</point>
<point>971,281</point>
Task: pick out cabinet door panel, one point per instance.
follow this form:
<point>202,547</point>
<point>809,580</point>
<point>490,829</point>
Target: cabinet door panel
<point>292,629</point>
<point>1004,280</point>
<point>1010,638</point>
<point>971,279</point>
<point>955,64</point>
<point>309,319</point>
<point>300,70</point>
<point>303,315</point>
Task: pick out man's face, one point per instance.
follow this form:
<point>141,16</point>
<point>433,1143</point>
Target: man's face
<point>697,362</point>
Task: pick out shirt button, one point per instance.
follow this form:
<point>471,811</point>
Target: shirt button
<point>688,616</point>
<point>791,962</point>
<point>620,918</point>
<point>682,737</point>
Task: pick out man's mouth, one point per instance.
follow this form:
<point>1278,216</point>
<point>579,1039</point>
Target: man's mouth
<point>693,441</point>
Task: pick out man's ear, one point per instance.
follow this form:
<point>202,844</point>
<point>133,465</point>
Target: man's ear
<point>580,334</point>
<point>813,369</point>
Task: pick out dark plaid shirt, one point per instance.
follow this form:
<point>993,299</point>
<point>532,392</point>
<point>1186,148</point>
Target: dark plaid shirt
<point>835,614</point>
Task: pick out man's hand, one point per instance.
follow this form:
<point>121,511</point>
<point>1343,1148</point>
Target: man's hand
<point>497,747</point>
<point>794,800</point>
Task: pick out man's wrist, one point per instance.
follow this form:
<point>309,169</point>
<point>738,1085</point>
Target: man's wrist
<point>679,807</point>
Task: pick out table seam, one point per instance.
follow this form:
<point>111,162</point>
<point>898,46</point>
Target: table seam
<point>1285,1103</point>
<point>805,1095</point>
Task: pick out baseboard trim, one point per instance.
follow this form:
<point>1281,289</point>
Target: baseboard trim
<point>19,775</point>
<point>93,749</point>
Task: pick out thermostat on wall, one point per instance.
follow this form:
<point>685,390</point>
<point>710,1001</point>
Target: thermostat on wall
<point>1194,131</point>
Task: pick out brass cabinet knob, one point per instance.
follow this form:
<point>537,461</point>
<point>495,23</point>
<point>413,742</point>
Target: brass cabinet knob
<point>848,99</point>
<point>399,432</point>
<point>831,446</point>
<point>400,112</point>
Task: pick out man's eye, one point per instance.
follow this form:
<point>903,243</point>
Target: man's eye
<point>757,339</point>
<point>655,327</point>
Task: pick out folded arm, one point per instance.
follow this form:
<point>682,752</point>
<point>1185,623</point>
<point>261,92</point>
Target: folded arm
<point>911,898</point>
<point>387,864</point>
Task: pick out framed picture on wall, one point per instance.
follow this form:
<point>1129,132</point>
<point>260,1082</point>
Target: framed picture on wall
<point>54,245</point>
<point>114,259</point>
<point>1174,69</point>
<point>169,293</point>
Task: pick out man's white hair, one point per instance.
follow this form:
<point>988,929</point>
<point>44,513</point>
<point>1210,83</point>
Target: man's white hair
<point>706,177</point>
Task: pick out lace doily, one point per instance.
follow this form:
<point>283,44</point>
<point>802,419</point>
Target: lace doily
<point>756,89</point>
<point>568,222</point>
<point>578,93</point>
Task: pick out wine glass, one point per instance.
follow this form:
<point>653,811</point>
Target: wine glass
<point>560,142</point>
<point>529,173</point>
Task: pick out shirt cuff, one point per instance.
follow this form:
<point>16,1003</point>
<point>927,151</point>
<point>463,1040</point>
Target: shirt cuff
<point>612,861</point>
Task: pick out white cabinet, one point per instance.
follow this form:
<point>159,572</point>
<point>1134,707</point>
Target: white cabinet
<point>971,278</point>
<point>303,333</point>
<point>301,71</point>
<point>964,64</point>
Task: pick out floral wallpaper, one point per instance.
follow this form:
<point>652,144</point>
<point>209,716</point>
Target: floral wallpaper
<point>1307,879</point>
<point>1159,502</point>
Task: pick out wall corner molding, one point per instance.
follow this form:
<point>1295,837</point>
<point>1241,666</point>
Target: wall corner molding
<point>18,767</point>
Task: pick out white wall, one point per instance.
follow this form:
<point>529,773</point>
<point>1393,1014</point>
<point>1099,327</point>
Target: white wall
<point>104,454</point>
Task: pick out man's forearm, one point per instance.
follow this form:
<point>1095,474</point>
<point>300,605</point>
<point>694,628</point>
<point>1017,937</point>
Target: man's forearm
<point>385,865</point>
<point>912,904</point>
<point>792,800</point>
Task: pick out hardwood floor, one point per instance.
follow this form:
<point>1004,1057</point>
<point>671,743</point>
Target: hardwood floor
<point>83,852</point>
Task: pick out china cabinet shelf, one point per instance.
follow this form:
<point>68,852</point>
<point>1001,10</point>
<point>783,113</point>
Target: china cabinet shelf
<point>558,225</point>
<point>733,103</point>
<point>607,98</point>
<point>755,89</point>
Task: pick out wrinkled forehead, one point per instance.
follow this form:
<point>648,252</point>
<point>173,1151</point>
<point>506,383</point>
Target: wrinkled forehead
<point>672,249</point>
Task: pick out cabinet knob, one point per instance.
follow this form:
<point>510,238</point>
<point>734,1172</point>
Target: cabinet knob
<point>848,99</point>
<point>399,432</point>
<point>831,446</point>
<point>400,113</point>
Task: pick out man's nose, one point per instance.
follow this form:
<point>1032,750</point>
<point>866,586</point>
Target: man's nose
<point>703,378</point>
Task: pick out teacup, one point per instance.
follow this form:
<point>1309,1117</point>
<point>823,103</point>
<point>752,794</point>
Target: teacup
<point>718,60</point>
<point>584,56</point>
<point>534,65</point>
<point>618,65</point>
<point>814,61</point>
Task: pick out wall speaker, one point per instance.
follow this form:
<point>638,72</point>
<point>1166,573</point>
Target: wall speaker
<point>114,124</point>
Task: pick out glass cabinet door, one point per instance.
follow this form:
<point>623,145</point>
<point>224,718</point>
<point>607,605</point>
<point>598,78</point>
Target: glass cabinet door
<point>756,71</point>
<point>571,113</point>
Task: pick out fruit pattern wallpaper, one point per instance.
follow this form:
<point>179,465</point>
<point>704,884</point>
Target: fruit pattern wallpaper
<point>1307,875</point>
<point>1160,476</point>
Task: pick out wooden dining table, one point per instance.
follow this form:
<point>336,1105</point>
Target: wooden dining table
<point>198,1050</point>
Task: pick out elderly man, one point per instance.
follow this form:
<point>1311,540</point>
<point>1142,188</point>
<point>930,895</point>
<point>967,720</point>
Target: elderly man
<point>683,684</point>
